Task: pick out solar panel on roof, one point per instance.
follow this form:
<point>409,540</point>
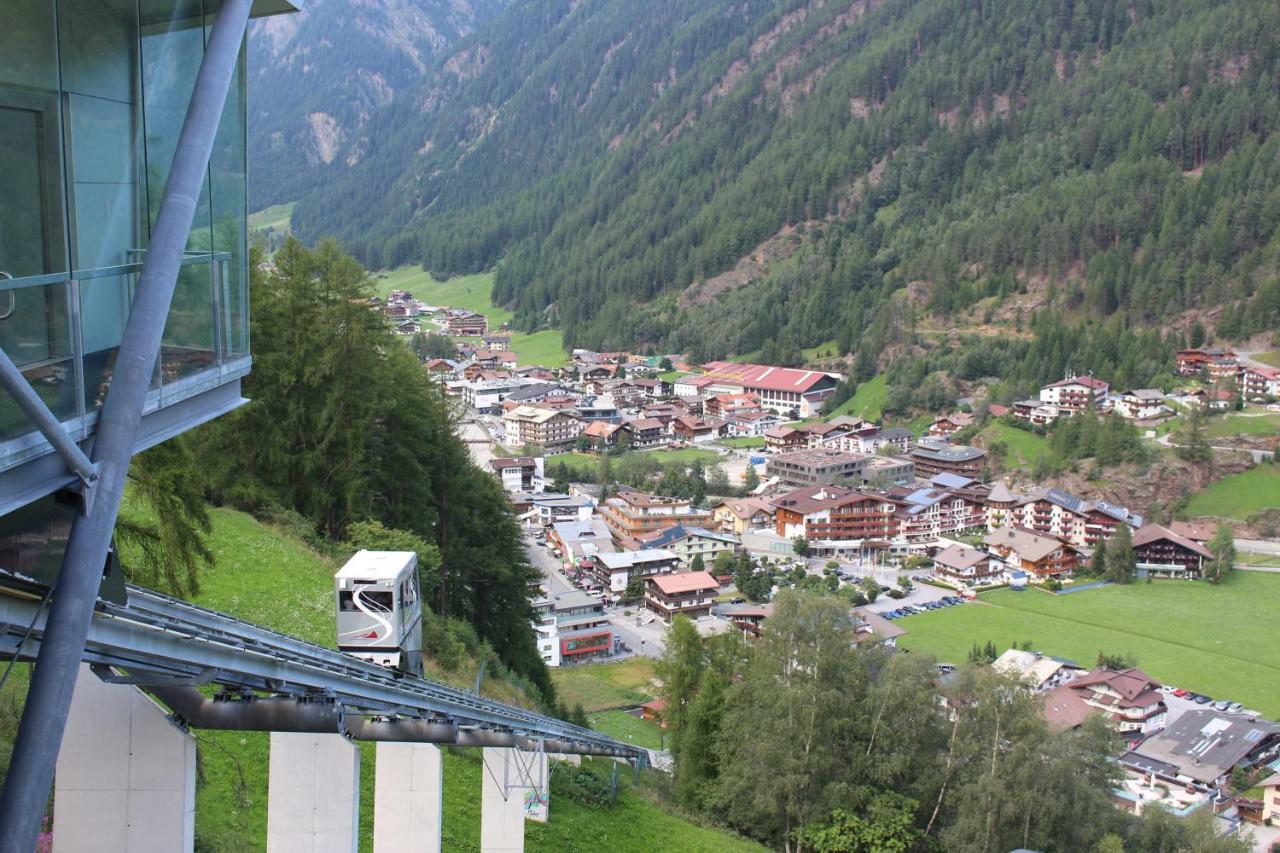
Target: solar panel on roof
<point>952,481</point>
<point>1066,500</point>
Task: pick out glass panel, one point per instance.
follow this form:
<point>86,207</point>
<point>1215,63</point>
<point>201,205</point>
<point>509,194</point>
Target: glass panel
<point>104,181</point>
<point>228,181</point>
<point>99,46</point>
<point>172,50</point>
<point>31,237</point>
<point>35,332</point>
<point>28,53</point>
<point>188,333</point>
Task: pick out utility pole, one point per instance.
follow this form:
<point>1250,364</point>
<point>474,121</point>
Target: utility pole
<point>44,717</point>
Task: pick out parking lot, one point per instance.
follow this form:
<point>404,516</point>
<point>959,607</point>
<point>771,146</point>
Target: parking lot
<point>919,594</point>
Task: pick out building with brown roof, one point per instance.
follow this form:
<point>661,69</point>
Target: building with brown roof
<point>781,439</point>
<point>1164,553</point>
<point>739,515</point>
<point>687,593</point>
<point>1038,555</point>
<point>631,514</point>
<point>648,432</point>
<point>967,565</point>
<point>948,425</point>
<point>1130,698</point>
<point>834,513</point>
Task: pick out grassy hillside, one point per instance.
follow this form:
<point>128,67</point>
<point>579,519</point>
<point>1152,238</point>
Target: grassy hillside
<point>1195,635</point>
<point>1239,495</point>
<point>472,293</point>
<point>1023,449</point>
<point>269,577</point>
<point>867,402</point>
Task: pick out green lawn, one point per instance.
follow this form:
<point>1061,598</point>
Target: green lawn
<point>1024,448</point>
<point>1211,639</point>
<point>606,685</point>
<point>629,728</point>
<point>1255,424</point>
<point>1239,495</point>
<point>1271,358</point>
<point>278,217</point>
<point>867,402</point>
<point>745,441</point>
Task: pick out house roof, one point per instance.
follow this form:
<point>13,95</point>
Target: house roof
<point>816,498</point>
<point>627,559</point>
<point>961,557</point>
<point>1087,381</point>
<point>783,432</point>
<point>518,462</point>
<point>1000,494</point>
<point>1198,531</point>
<point>684,582</point>
<point>945,452</point>
<point>870,622</point>
<point>1133,685</point>
<point>1204,745</point>
<point>1064,708</point>
<point>645,423</point>
<point>1027,545</point>
<point>747,507</point>
<point>570,532</point>
<point>1154,533</point>
<point>677,532</point>
<point>764,376</point>
<point>529,414</point>
<point>600,429</point>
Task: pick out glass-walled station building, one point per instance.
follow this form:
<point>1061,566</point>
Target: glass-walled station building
<point>93,94</point>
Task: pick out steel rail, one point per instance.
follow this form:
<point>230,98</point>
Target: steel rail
<point>162,640</point>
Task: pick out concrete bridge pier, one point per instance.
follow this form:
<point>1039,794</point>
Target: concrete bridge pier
<point>508,776</point>
<point>126,775</point>
<point>407,800</point>
<point>313,797</point>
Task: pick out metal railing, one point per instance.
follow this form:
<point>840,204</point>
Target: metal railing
<point>62,331</point>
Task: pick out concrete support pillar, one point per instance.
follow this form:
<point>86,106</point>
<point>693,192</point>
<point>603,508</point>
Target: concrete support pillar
<point>409,781</point>
<point>313,798</point>
<point>126,775</point>
<point>502,802</point>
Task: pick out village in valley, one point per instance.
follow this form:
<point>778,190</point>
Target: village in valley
<point>651,488</point>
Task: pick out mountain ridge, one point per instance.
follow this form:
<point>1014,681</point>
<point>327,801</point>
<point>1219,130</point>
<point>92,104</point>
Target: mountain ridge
<point>931,156</point>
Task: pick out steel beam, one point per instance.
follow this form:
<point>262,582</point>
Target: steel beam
<point>160,640</point>
<point>47,422</point>
<point>44,717</point>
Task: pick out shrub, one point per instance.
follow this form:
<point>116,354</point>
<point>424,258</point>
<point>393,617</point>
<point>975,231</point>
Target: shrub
<point>582,785</point>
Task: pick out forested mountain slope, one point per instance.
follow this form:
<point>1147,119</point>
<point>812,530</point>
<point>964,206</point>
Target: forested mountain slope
<point>318,75</point>
<point>714,176</point>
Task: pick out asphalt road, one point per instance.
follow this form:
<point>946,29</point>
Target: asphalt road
<point>648,639</point>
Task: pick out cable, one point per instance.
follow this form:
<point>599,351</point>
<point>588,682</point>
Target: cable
<point>30,628</point>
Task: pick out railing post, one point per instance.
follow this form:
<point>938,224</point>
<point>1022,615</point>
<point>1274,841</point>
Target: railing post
<point>44,717</point>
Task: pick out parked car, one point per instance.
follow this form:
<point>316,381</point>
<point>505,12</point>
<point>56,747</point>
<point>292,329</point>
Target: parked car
<point>739,601</point>
<point>1180,692</point>
<point>1203,700</point>
<point>1222,704</point>
<point>1235,708</point>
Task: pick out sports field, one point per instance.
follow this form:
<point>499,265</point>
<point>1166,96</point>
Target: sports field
<point>1212,639</point>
